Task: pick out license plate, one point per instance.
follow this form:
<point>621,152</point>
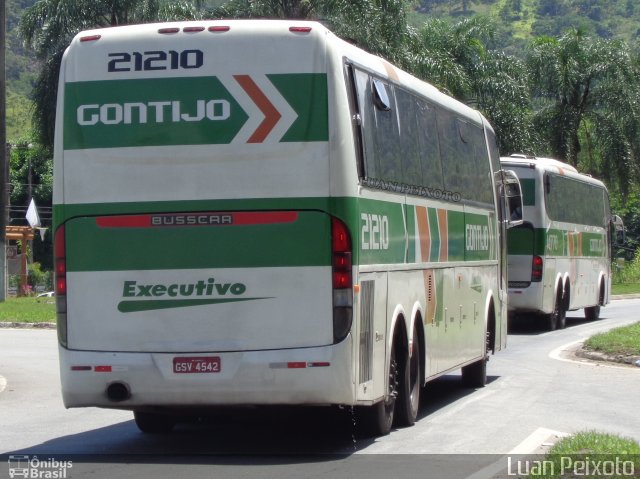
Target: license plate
<point>196,365</point>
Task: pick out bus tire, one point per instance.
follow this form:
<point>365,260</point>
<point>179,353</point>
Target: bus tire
<point>409,385</point>
<point>377,420</point>
<point>474,375</point>
<point>558,317</point>
<point>154,423</point>
<point>592,313</point>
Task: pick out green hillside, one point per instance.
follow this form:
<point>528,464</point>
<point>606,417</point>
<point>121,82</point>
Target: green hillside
<point>521,20</point>
<point>518,21</point>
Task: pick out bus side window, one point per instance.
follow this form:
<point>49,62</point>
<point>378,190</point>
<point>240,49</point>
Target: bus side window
<point>387,145</point>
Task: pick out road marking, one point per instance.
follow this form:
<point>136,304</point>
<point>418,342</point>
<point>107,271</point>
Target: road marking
<point>557,355</point>
<point>535,440</point>
<point>529,446</point>
<point>3,383</point>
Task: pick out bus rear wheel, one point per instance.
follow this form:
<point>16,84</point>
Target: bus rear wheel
<point>558,317</point>
<point>592,313</point>
<point>409,385</point>
<point>474,375</point>
<point>154,423</point>
<point>377,420</point>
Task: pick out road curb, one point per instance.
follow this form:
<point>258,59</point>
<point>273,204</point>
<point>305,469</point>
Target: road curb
<point>18,325</point>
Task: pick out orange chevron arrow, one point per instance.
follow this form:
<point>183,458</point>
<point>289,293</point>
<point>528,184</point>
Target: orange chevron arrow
<point>271,114</point>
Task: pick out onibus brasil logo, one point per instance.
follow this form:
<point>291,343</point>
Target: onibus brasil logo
<point>149,297</point>
<point>38,468</point>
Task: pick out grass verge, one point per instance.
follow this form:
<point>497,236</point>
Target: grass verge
<point>623,341</point>
<point>28,310</point>
<point>625,288</point>
<point>590,454</point>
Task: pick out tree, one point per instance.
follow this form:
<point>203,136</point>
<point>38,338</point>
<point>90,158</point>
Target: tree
<point>31,177</point>
<point>379,26</point>
<point>456,59</point>
<point>587,95</point>
<point>49,25</point>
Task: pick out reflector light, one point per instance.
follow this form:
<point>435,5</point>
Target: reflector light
<point>60,262</point>
<point>219,28</point>
<point>340,237</point>
<point>192,29</point>
<point>102,369</point>
<point>536,269</point>
<point>90,38</point>
<point>341,245</point>
<point>169,30</point>
<point>297,365</point>
<point>300,29</point>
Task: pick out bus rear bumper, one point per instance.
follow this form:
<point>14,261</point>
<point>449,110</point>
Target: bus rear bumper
<point>310,376</point>
<point>527,300</point>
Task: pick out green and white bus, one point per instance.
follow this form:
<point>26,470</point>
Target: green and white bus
<point>259,213</point>
<point>560,257</point>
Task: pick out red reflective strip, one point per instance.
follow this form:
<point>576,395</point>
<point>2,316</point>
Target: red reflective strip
<point>102,369</point>
<point>219,28</point>
<point>297,365</point>
<point>268,217</point>
<point>129,221</point>
<point>169,30</point>
<point>241,218</point>
<point>192,29</point>
<point>90,38</point>
<point>300,29</point>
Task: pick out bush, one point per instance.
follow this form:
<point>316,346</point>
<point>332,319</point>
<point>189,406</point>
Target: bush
<point>629,273</point>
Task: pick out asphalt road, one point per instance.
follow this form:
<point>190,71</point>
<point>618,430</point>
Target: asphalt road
<point>534,388</point>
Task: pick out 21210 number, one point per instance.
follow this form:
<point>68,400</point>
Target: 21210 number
<point>155,60</point>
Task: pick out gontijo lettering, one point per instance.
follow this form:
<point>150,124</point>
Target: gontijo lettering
<point>153,111</point>
<point>477,238</point>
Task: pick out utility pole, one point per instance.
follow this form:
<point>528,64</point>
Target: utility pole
<point>4,160</point>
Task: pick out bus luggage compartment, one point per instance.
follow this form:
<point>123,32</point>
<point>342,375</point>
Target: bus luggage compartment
<point>202,281</point>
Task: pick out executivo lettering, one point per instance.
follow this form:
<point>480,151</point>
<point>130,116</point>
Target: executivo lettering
<point>180,295</point>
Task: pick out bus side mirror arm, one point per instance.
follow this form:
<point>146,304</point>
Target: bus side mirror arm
<point>618,227</point>
<point>512,192</point>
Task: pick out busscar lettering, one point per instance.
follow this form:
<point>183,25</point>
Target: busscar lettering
<point>192,220</point>
<point>133,289</point>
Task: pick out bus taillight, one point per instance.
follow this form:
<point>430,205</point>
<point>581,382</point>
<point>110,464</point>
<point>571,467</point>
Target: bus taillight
<point>342,279</point>
<point>60,259</point>
<point>536,269</point>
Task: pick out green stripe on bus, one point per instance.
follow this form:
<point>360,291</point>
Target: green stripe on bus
<point>136,306</point>
<point>528,186</point>
<point>307,94</point>
<point>434,235</point>
<point>306,242</point>
<point>183,111</point>
<point>555,242</point>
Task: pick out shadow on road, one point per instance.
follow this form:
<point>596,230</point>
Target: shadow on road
<point>532,325</point>
<point>259,431</point>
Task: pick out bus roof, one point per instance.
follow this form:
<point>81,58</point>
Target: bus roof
<point>549,164</point>
<point>258,29</point>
